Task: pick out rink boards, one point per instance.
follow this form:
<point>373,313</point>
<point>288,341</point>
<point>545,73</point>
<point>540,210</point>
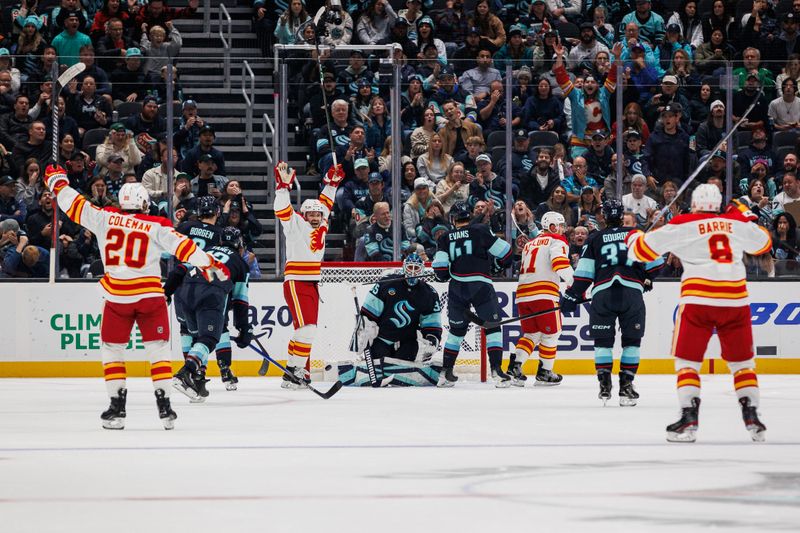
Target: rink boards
<point>53,330</point>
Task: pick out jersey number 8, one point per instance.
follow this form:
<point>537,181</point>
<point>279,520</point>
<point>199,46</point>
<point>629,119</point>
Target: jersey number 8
<point>135,244</point>
<point>720,248</point>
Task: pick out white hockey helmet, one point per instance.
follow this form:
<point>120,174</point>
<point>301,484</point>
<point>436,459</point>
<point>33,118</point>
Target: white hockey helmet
<point>706,197</point>
<point>134,197</point>
<point>312,206</point>
<point>552,217</point>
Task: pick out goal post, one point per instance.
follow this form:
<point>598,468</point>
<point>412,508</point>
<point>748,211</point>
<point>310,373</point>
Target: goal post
<point>337,317</point>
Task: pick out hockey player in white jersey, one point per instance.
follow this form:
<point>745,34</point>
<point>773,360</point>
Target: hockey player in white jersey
<point>545,262</point>
<point>131,243</point>
<point>305,248</point>
<point>713,297</point>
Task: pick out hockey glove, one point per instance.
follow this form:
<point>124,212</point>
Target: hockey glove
<point>318,237</point>
<point>215,270</point>
<point>496,267</point>
<point>426,347</point>
<point>334,176</point>
<point>568,302</point>
<point>741,208</point>
<point>55,177</point>
<point>284,176</point>
<point>442,274</point>
<point>648,285</point>
<point>245,338</point>
<point>367,332</point>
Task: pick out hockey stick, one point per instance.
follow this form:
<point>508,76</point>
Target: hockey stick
<point>294,379</point>
<point>487,324</point>
<point>373,377</point>
<point>702,165</point>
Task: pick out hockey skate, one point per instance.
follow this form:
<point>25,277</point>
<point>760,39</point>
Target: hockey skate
<point>202,391</point>
<point>605,386</point>
<point>627,393</point>
<point>685,429</point>
<point>184,382</point>
<point>546,378</point>
<point>518,379</point>
<point>447,378</point>
<point>756,428</point>
<point>114,416</point>
<point>501,379</point>
<point>165,412</point>
<point>300,374</point>
<point>228,378</point>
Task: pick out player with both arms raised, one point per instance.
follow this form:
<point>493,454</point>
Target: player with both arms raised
<point>616,295</point>
<point>402,326</point>
<point>545,261</point>
<point>132,243</point>
<point>466,255</point>
<point>305,248</point>
<point>713,297</point>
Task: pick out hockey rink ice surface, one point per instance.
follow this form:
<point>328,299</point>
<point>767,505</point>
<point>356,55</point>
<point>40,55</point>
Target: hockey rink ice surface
<point>471,458</point>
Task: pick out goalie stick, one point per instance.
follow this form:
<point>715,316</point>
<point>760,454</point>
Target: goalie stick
<point>294,379</point>
<point>373,377</point>
<point>487,324</point>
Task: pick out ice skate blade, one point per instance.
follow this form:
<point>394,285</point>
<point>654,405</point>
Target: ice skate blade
<point>546,383</point>
<point>288,385</point>
<point>114,423</point>
<point>169,423</point>
<point>230,386</point>
<point>756,435</point>
<point>446,384</point>
<point>501,384</point>
<point>685,436</point>
<point>518,383</point>
<point>189,393</point>
<point>197,399</point>
<point>627,402</point>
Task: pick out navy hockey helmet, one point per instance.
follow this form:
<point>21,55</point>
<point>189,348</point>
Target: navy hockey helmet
<point>612,211</point>
<point>207,206</point>
<point>413,266</point>
<point>232,237</point>
<point>460,212</point>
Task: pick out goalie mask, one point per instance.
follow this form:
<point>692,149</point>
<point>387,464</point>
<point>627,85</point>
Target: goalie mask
<point>706,198</point>
<point>134,197</point>
<point>413,266</point>
<point>552,218</point>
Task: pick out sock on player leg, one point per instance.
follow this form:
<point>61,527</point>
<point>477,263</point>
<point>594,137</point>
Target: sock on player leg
<point>745,381</point>
<point>451,348</point>
<point>547,355</point>
<point>524,348</point>
<point>186,344</point>
<point>494,347</point>
<point>114,367</point>
<point>160,365</point>
<point>603,359</point>
<point>629,362</point>
<point>688,386</point>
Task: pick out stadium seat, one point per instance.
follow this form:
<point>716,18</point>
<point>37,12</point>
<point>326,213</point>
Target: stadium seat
<point>496,138</point>
<point>780,153</point>
<point>784,138</point>
<point>95,136</point>
<point>743,138</point>
<point>127,109</point>
<point>543,138</point>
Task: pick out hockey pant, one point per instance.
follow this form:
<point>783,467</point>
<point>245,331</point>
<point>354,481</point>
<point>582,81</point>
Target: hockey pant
<point>204,306</point>
<point>482,298</point>
<point>623,304</point>
<point>152,318</point>
<point>223,349</point>
<point>302,297</point>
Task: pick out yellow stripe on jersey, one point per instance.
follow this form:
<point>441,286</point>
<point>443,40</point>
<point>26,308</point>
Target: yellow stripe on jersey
<point>185,250</point>
<point>285,214</point>
<point>327,202</point>
<point>767,247</point>
<point>76,209</point>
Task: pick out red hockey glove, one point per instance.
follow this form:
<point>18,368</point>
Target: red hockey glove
<point>318,238</point>
<point>739,207</point>
<point>55,177</point>
<point>215,270</point>
<point>334,176</point>
<point>284,176</point>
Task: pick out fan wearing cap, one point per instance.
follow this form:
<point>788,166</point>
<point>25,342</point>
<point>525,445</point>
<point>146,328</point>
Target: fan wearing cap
<point>785,110</point>
<point>410,16</point>
<point>119,143</point>
<point>599,156</point>
<point>356,70</point>
<point>668,95</point>
<point>364,206</point>
<point>128,83</point>
<point>593,100</point>
<point>689,23</point>
<point>667,155</point>
<point>426,35</point>
<point>147,120</point>
<point>487,186</point>
<point>204,146</point>
<point>587,48</point>
<point>464,56</point>
<point>514,52</point>
<point>757,150</point>
<point>399,33</point>
<point>651,24</point>
<point>187,135</point>
<point>69,42</point>
<point>305,247</point>
<point>672,43</point>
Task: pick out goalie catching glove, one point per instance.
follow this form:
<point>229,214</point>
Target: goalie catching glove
<point>426,347</point>
<point>284,176</point>
<point>367,332</point>
<point>55,177</point>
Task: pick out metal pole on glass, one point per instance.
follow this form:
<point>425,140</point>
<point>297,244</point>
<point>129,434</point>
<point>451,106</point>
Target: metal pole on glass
<point>729,84</point>
<point>170,132</point>
<point>509,144</point>
<point>620,141</point>
<point>397,153</point>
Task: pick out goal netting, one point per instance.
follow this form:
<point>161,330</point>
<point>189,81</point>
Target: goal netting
<point>337,318</point>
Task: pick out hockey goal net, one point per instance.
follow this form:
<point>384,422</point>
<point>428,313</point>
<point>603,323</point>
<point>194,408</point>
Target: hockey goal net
<point>337,312</point>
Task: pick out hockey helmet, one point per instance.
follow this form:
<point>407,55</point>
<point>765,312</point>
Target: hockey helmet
<point>134,197</point>
<point>706,197</point>
<point>232,237</point>
<point>551,218</point>
<point>612,211</point>
<point>413,265</point>
<point>460,212</point>
<point>207,206</point>
<point>312,206</point>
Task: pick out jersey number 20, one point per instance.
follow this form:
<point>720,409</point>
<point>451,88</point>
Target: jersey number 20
<point>135,245</point>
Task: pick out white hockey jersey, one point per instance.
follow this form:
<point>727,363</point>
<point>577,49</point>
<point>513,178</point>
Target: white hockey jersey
<point>711,248</point>
<point>305,246</point>
<point>131,247</point>
<point>545,261</point>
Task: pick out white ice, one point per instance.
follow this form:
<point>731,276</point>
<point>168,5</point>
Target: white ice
<point>471,458</point>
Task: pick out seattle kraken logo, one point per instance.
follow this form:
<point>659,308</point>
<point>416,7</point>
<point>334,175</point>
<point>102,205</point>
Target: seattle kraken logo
<point>401,310</point>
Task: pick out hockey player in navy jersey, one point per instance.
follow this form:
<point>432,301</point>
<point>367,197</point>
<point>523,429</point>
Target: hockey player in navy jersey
<point>205,305</point>
<point>402,327</point>
<point>466,256</point>
<point>619,283</point>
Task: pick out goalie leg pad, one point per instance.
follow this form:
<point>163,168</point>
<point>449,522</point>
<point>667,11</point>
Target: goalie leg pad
<point>114,370</point>
<point>405,373</point>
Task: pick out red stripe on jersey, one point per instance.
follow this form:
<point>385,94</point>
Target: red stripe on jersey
<point>185,250</point>
<point>285,214</point>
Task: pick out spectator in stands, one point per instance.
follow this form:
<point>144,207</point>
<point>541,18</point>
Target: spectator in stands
<point>159,50</point>
<point>155,180</point>
<point>128,81</point>
<point>10,208</point>
<point>239,214</point>
<point>376,22</point>
<point>340,130</point>
<point>207,182</point>
<point>542,180</point>
<point>354,189</point>
<point>66,148</point>
<point>400,34</point>
<point>415,207</point>
<point>521,157</point>
<point>666,154</point>
<point>290,22</point>
<point>157,13</point>
<point>69,42</point>
<point>26,261</point>
<point>475,147</point>
<point>456,131</point>
<point>668,95</point>
<point>712,55</point>
<point>719,18</point>
<point>102,82</point>
<point>378,240</point>
<point>119,142</point>
<point>758,117</point>
<point>651,25</point>
<point>316,103</point>
<point>672,44</point>
<point>486,185</point>
<point>790,193</point>
<point>557,201</point>
<point>421,136</point>
<point>29,185</point>
<point>7,66</point>
<point>543,111</point>
<point>636,202</point>
<point>411,16</point>
<point>588,207</point>
<point>453,25</point>
<point>57,17</point>
<point>587,47</point>
<point>514,52</point>
<point>453,188</point>
<point>6,93</point>
<point>336,34</point>
<point>784,238</point>
<point>759,202</point>
<point>78,170</point>
<point>640,76</point>
<point>791,71</point>
<point>14,126</point>
<point>784,111</point>
<point>476,81</point>
<point>493,33</point>
<point>576,241</point>
<point>364,206</point>
<point>632,119</point>
<point>448,89</point>
<point>114,173</point>
<point>35,147</point>
<point>30,45</point>
<point>104,19</point>
<point>573,185</point>
<point>492,111</point>
<point>757,150</point>
<point>710,132</point>
<point>464,57</point>
<point>689,23</point>
<point>379,124</point>
<point>204,146</point>
<point>187,135</point>
<point>669,197</point>
<point>789,165</point>
<point>113,46</point>
<point>426,37</point>
<point>434,164</point>
<point>66,124</point>
<point>431,228</point>
<point>356,70</point>
<point>89,109</point>
<point>147,120</point>
<point>598,158</point>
